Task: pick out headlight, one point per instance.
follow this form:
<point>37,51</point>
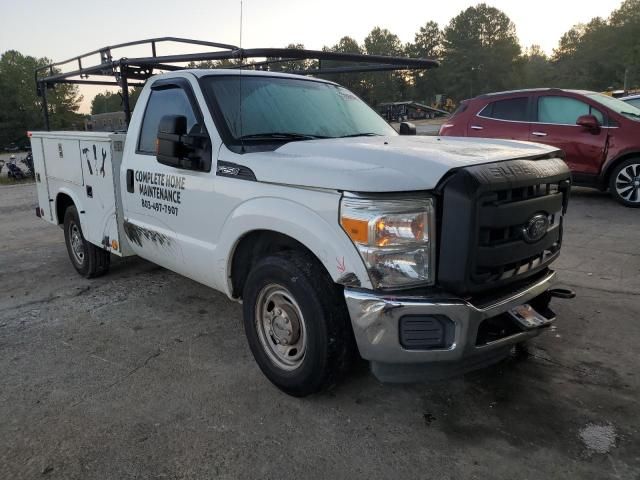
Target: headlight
<point>395,237</point>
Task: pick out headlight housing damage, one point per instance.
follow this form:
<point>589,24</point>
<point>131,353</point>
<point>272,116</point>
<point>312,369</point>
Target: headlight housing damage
<point>395,237</point>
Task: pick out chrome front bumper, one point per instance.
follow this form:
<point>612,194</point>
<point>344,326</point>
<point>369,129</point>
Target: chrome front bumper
<point>375,320</point>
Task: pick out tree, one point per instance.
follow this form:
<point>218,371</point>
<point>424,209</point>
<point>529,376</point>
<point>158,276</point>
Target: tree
<point>112,101</point>
<point>291,65</point>
<point>19,105</point>
<point>353,81</point>
<point>535,69</point>
<point>625,21</point>
<point>384,86</point>
<point>481,50</point>
<point>597,55</point>
<point>427,44</point>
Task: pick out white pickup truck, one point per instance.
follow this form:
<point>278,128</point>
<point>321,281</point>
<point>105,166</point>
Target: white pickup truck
<point>427,256</point>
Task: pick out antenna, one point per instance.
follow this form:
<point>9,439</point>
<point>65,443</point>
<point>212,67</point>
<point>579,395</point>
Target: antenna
<point>240,81</point>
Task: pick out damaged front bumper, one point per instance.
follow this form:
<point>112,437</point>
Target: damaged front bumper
<point>412,338</point>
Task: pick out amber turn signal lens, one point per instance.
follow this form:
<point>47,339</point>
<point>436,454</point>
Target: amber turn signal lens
<point>358,230</point>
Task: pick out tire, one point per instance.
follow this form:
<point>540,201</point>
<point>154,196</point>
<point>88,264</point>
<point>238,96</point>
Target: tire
<point>289,297</point>
<point>624,183</point>
<point>88,260</point>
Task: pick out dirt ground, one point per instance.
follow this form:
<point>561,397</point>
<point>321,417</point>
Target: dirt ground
<point>145,374</point>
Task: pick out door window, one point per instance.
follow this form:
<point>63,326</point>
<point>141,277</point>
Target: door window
<point>168,101</point>
<point>634,101</point>
<point>514,109</point>
<point>565,110</point>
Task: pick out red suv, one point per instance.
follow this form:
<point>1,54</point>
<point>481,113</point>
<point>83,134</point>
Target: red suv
<point>600,135</point>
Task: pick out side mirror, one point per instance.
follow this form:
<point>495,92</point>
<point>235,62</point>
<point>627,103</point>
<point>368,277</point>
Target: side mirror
<point>175,147</point>
<point>589,122</point>
<point>407,128</point>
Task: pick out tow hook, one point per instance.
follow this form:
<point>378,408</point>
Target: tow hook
<point>564,293</point>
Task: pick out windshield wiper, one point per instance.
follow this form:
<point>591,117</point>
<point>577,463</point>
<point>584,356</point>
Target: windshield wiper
<point>631,113</point>
<point>280,136</point>
<point>362,134</point>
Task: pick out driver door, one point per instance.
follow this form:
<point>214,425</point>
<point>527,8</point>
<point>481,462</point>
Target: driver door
<point>166,207</point>
<point>556,125</point>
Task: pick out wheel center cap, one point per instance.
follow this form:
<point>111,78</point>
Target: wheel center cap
<point>285,328</point>
<point>282,329</point>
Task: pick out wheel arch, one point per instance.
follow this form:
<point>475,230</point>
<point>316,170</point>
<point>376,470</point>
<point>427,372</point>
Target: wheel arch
<point>256,244</point>
<point>611,166</point>
<point>266,225</point>
<point>64,199</point>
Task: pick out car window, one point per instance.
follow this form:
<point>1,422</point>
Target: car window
<point>170,101</point>
<point>514,109</point>
<point>634,101</point>
<point>291,105</point>
<point>565,110</point>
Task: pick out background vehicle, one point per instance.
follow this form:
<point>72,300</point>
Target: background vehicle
<point>632,100</point>
<point>599,135</point>
<point>431,256</point>
<point>13,170</point>
<point>28,163</point>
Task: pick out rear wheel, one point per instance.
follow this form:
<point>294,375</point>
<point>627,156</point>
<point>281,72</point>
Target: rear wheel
<point>296,323</point>
<point>625,183</point>
<point>88,260</point>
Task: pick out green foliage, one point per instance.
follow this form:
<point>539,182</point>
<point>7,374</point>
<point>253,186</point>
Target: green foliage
<point>112,101</point>
<point>600,54</point>
<point>481,50</point>
<point>478,49</point>
<point>428,43</point>
<point>384,86</point>
<point>355,83</point>
<point>292,65</point>
<point>534,69</point>
<point>19,105</point>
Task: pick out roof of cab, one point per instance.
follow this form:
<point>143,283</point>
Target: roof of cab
<point>534,90</point>
<point>205,72</point>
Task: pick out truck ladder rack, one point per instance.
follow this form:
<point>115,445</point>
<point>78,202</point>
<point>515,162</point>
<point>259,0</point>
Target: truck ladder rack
<point>119,72</point>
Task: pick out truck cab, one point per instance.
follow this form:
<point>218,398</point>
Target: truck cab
<point>426,256</point>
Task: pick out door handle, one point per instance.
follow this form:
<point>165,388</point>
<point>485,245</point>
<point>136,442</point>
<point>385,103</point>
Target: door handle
<point>130,180</point>
<point>539,134</point>
<point>477,127</point>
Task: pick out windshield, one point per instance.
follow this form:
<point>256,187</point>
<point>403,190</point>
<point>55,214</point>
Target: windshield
<point>634,101</point>
<point>284,109</point>
<point>618,106</point>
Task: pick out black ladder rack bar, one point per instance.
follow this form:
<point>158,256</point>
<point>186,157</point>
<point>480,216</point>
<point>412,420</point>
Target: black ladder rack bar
<point>141,68</point>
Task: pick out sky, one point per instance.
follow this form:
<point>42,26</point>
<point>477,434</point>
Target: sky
<point>59,29</point>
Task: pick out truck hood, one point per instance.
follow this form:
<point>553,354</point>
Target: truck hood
<point>378,164</point>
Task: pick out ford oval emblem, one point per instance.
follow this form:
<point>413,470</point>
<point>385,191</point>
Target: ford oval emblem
<point>535,228</point>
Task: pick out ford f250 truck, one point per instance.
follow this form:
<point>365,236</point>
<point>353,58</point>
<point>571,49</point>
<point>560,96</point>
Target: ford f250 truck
<point>427,256</point>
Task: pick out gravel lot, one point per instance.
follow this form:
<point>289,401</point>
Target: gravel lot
<point>145,374</point>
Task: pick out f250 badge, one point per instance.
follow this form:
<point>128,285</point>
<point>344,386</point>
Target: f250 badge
<point>535,228</point>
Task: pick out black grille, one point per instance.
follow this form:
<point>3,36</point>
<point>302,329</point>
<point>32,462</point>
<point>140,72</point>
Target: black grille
<point>485,210</point>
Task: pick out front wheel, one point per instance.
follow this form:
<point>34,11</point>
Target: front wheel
<point>296,323</point>
<point>625,183</point>
<point>88,260</point>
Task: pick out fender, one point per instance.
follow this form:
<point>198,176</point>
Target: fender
<point>606,167</point>
<point>327,241</point>
<point>76,201</point>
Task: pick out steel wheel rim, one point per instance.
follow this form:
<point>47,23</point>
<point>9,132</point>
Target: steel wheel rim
<point>628,183</point>
<point>77,243</point>
<point>281,327</point>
